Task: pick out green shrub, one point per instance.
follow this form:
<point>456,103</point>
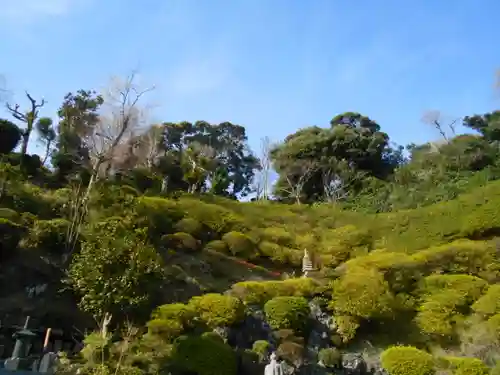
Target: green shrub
<point>466,366</point>
<point>160,214</point>
<point>496,369</point>
<point>363,293</point>
<point>261,348</point>
<point>489,303</point>
<point>181,242</point>
<point>8,214</point>
<point>445,299</point>
<point>10,235</point>
<point>217,310</point>
<point>259,292</point>
<point>169,321</point>
<point>287,313</point>
<point>269,249</point>
<point>347,326</point>
<point>217,246</point>
<point>189,225</point>
<point>238,243</point>
<point>340,244</point>
<point>330,357</point>
<point>212,336</point>
<point>278,235</point>
<point>203,356</point>
<point>407,360</point>
<point>50,236</point>
<point>10,135</point>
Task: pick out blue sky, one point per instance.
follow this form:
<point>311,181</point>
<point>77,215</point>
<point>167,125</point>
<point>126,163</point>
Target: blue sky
<point>271,65</point>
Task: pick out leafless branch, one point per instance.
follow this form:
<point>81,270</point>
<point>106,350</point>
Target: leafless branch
<point>261,183</point>
<point>121,119</point>
<point>440,123</point>
<point>337,180</point>
<point>28,118</point>
<point>297,177</point>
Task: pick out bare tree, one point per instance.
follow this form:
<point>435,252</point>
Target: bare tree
<point>261,183</point>
<point>337,180</point>
<point>296,178</point>
<point>28,118</point>
<point>116,126</point>
<point>265,162</point>
<point>441,123</point>
<point>148,146</point>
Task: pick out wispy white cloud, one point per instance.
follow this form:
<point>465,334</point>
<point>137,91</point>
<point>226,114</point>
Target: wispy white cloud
<point>22,12</point>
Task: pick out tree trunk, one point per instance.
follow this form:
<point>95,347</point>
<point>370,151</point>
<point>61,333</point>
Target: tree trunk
<point>24,145</point>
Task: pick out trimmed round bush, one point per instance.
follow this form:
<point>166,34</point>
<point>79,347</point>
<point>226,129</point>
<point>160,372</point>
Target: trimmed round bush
<point>10,135</point>
<point>217,246</point>
<point>330,357</point>
<point>212,336</point>
<point>467,366</point>
<point>238,243</point>
<point>259,292</point>
<point>203,356</point>
<point>407,360</point>
<point>287,313</point>
<point>189,225</point>
<point>181,241</point>
<point>169,321</point>
<point>218,310</point>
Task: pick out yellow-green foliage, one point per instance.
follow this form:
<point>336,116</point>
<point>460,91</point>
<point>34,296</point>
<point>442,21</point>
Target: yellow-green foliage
<point>181,241</point>
<point>466,366</point>
<point>347,327</point>
<point>469,215</point>
<point>217,246</point>
<point>239,243</point>
<point>203,356</point>
<point>48,235</point>
<point>340,244</point>
<point>217,310</point>
<point>478,258</point>
<point>261,348</point>
<point>489,303</point>
<point>256,292</point>
<point>444,298</point>
<point>493,326</point>
<point>169,321</point>
<point>287,313</point>
<point>363,293</point>
<point>330,357</point>
<point>8,214</point>
<point>189,225</point>
<point>407,360</point>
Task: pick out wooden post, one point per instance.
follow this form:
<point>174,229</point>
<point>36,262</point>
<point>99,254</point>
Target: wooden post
<point>47,337</point>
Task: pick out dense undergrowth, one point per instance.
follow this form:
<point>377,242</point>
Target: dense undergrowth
<point>145,236</point>
<point>424,277</point>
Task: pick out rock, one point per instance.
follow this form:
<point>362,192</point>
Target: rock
<point>354,364</point>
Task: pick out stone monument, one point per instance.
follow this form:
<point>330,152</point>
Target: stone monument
<point>23,343</point>
<point>307,265</point>
<point>274,367</point>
